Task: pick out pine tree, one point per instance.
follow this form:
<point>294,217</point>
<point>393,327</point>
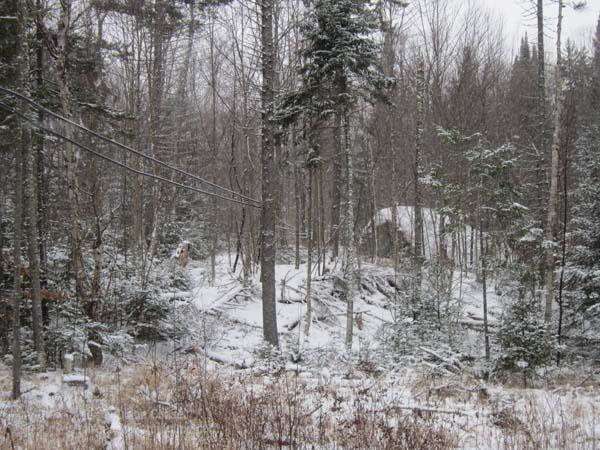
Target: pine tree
<point>595,94</point>
<point>549,244</point>
<point>524,339</point>
<point>583,269</point>
<point>340,68</point>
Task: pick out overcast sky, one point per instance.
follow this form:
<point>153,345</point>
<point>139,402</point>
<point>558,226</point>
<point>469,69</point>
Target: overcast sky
<point>578,26</point>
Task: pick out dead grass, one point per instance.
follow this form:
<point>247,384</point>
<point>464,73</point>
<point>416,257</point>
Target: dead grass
<point>193,408</point>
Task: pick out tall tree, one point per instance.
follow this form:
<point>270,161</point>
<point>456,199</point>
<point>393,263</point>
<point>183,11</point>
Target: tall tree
<point>595,94</point>
<point>339,68</point>
<point>22,71</point>
<point>269,184</point>
<point>552,217</point>
<point>418,200</point>
<point>64,32</point>
<point>541,76</point>
<point>583,270</point>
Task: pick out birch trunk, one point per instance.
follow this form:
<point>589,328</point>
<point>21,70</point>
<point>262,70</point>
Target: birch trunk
<point>298,221</point>
<point>418,216</point>
<point>309,246</point>
<point>351,272</point>
<point>551,221</point>
<point>541,100</point>
<point>156,87</point>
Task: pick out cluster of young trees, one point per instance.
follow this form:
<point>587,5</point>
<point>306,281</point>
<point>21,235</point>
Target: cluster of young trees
<point>127,126</point>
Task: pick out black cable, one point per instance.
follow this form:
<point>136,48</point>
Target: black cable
<point>123,146</point>
<point>118,163</point>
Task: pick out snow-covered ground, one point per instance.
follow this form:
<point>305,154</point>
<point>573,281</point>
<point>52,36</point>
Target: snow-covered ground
<point>233,314</point>
<point>125,405</point>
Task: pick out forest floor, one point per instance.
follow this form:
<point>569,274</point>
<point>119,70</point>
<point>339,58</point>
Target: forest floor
<point>219,387</point>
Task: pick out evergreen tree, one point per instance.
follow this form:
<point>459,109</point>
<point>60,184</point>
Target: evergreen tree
<point>595,94</point>
<point>522,84</point>
<point>583,268</point>
<point>340,67</point>
<point>524,339</point>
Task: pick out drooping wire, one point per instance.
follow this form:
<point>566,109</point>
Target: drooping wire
<point>106,139</point>
<point>118,163</point>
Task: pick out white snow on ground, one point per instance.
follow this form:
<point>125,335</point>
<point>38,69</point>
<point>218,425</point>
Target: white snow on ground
<point>484,416</point>
<point>234,313</point>
<point>431,227</point>
<point>238,310</point>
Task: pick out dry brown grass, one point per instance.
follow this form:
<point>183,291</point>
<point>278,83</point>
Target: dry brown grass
<point>195,408</point>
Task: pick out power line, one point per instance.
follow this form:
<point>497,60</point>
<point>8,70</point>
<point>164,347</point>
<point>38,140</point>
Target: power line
<point>118,163</point>
<point>123,146</point>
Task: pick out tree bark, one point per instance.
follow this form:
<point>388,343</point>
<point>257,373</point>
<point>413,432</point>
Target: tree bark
<point>351,271</point>
<point>309,246</point>
<point>213,142</point>
<point>541,97</point>
<point>16,299</point>
<point>33,246</point>
<point>483,246</point>
<point>418,216</point>
<point>551,221</point>
<point>298,217</point>
<point>22,66</point>
<point>336,191</point>
<point>268,218</point>
<point>155,88</point>
<point>64,25</point>
<point>42,188</point>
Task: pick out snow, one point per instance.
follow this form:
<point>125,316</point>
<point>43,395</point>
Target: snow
<point>113,437</point>
<point>76,379</point>
<point>431,226</point>
<point>229,316</point>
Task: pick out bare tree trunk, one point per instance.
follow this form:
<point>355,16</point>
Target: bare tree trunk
<point>322,245</point>
<point>418,216</point>
<point>64,25</point>
<point>551,222</point>
<point>541,97</point>
<point>336,193</point>
<point>4,302</point>
<point>351,271</point>
<point>33,247</point>
<point>483,246</point>
<point>42,190</point>
<point>298,221</point>
<point>16,300</point>
<point>213,141</point>
<point>22,67</point>
<point>318,217</point>
<point>137,207</point>
<point>249,250</point>
<point>29,193</point>
<point>309,246</point>
<point>374,212</point>
<point>268,219</point>
<point>137,196</point>
<point>156,88</point>
<point>97,251</point>
<point>395,246</point>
